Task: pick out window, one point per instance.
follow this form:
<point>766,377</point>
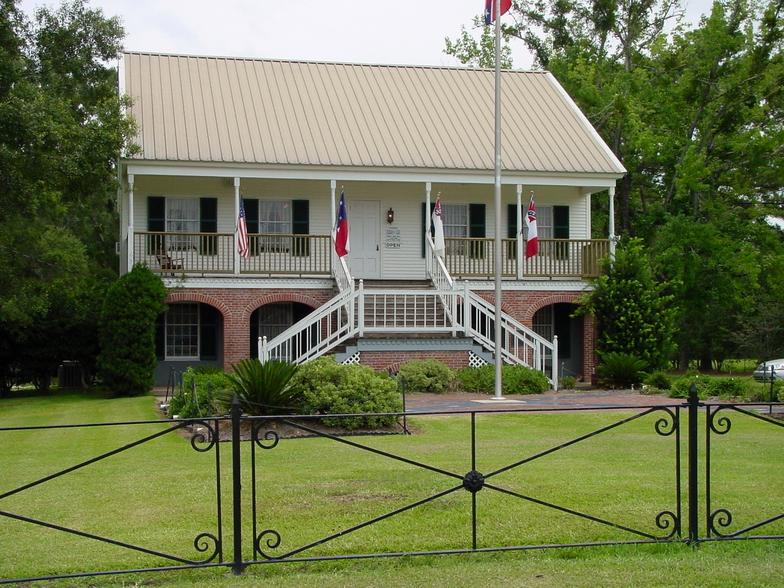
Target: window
<point>273,319</point>
<point>182,216</point>
<point>182,331</point>
<point>544,222</point>
<point>274,218</point>
<point>455,220</point>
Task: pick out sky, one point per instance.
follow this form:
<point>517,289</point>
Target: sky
<point>405,32</point>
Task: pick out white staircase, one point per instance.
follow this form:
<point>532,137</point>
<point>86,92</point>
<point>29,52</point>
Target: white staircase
<point>445,308</point>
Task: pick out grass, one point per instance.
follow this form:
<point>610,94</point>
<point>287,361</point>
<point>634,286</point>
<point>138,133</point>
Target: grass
<point>162,495</point>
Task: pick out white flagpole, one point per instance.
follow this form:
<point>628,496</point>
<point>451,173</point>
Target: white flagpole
<point>498,358</point>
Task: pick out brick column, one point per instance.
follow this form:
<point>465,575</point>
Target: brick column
<point>236,340</point>
<point>589,349</point>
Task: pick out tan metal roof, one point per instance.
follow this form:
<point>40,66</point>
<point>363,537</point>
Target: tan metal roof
<point>215,109</point>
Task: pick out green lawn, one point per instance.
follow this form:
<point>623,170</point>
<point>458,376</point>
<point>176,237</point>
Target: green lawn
<point>161,495</point>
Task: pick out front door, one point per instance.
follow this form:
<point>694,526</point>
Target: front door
<point>364,220</point>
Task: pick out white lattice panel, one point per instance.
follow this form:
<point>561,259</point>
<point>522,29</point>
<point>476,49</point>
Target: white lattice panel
<point>352,359</point>
<point>475,361</point>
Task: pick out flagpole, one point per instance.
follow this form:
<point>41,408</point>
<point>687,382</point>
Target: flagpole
<point>498,357</point>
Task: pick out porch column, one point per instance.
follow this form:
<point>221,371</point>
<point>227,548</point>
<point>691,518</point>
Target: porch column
<point>611,222</point>
<point>520,260</point>
<point>332,187</point>
<point>428,188</point>
<point>130,222</point>
<point>236,229</point>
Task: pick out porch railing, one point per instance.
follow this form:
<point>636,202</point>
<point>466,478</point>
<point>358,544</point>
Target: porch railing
<point>475,257</point>
<point>213,253</point>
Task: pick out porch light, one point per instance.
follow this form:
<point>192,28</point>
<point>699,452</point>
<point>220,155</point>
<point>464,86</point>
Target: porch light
<point>390,215</point>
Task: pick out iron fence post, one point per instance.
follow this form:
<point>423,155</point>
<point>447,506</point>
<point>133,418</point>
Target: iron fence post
<point>236,412</point>
<point>693,402</point>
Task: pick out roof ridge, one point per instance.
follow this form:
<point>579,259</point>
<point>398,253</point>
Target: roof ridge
<point>325,62</point>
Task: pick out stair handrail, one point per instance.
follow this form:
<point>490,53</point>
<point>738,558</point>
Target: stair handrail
<point>334,322</point>
<point>442,281</point>
<point>516,336</point>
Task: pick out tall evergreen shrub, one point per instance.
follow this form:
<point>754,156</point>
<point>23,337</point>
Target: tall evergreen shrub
<point>127,359</point>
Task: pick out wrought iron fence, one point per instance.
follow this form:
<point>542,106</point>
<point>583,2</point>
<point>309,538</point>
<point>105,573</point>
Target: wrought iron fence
<point>270,544</point>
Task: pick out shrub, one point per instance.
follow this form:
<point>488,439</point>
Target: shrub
<point>197,395</point>
<point>127,331</point>
<point>329,388</point>
<point>727,388</point>
<point>568,382</point>
<point>659,380</point>
<point>620,369</point>
<point>425,375</point>
<point>516,379</point>
<point>263,388</point>
<point>680,386</point>
<point>476,379</point>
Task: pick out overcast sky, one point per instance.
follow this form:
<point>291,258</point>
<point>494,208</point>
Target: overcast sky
<point>362,31</point>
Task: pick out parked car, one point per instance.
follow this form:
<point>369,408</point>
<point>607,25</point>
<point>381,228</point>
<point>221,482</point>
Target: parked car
<point>762,373</point>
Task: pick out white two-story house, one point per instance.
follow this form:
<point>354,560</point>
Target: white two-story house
<point>286,139</point>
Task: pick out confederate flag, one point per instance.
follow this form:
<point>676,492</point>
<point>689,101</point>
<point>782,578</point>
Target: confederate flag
<point>342,243</point>
<point>490,9</point>
<point>532,243</point>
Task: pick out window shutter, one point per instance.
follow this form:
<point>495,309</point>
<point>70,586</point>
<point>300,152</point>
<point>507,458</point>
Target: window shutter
<point>560,222</point>
<point>477,229</point>
<point>561,230</point>
<point>424,224</point>
<point>511,230</point>
<point>300,225</point>
<point>208,223</point>
<point>208,332</point>
<point>156,221</point>
<point>251,214</point>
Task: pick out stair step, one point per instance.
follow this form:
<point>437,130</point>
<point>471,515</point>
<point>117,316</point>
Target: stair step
<point>398,284</point>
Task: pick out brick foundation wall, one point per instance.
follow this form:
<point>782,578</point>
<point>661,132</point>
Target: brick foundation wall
<point>237,305</point>
<point>384,360</point>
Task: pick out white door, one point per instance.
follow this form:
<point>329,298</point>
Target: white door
<point>364,221</point>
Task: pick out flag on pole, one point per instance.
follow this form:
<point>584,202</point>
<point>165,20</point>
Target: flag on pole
<point>490,9</point>
<point>438,227</point>
<point>532,242</point>
<point>242,232</point>
<point>342,242</point>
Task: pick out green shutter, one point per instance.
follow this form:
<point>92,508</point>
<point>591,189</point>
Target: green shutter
<point>511,230</point>
<point>208,223</point>
<point>300,225</point>
<point>208,332</point>
<point>424,225</point>
<point>252,222</point>
<point>477,229</point>
<point>156,222</point>
<point>561,230</point>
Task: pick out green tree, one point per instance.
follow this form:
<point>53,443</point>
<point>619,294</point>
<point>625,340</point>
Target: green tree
<point>127,359</point>
<point>634,314</point>
<point>61,128</point>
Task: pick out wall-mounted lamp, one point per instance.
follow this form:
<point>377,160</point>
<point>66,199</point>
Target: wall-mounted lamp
<point>390,216</point>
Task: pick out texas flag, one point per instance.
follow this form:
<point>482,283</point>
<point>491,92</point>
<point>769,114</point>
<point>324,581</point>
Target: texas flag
<point>532,243</point>
<point>490,9</point>
<point>342,242</point>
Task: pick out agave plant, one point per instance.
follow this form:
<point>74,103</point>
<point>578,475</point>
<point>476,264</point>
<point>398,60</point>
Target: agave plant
<point>264,388</point>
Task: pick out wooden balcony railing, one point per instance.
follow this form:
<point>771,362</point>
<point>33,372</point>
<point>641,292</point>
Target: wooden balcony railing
<point>213,253</point>
<point>310,255</point>
<point>556,258</point>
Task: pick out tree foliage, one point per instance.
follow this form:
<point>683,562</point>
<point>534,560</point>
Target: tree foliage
<point>127,331</point>
<point>635,315</point>
<point>61,128</point>
<point>696,115</point>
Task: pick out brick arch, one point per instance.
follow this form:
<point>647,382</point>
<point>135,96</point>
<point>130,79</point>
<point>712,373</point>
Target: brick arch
<point>279,297</point>
<point>175,297</point>
<point>570,298</point>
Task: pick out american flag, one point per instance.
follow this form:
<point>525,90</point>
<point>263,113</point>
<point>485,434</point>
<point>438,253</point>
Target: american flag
<point>242,232</point>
